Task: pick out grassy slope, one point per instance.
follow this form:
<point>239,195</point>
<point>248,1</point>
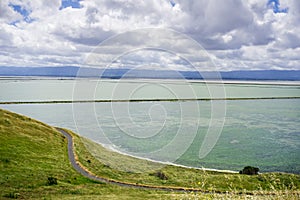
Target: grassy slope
<point>31,151</point>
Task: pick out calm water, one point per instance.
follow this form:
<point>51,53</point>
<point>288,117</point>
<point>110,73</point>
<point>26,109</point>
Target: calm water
<point>45,90</point>
<point>263,133</point>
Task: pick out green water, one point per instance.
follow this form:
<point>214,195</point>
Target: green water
<point>262,133</point>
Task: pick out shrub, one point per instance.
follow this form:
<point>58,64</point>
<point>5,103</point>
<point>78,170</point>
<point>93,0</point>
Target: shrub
<point>250,170</point>
<point>52,181</point>
<point>160,175</point>
<point>12,195</point>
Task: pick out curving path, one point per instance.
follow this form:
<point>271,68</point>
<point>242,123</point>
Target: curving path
<point>77,166</point>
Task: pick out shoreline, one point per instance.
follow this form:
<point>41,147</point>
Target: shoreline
<point>110,148</point>
<point>142,100</point>
<point>160,80</point>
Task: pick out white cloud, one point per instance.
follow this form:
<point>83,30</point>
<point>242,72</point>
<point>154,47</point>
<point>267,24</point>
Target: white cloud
<point>238,34</point>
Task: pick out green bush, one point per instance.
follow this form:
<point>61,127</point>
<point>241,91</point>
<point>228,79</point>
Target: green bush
<point>250,170</point>
<point>12,195</point>
<point>52,181</point>
<point>160,175</point>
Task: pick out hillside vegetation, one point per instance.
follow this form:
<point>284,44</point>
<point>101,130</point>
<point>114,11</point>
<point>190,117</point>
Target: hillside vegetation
<point>34,163</point>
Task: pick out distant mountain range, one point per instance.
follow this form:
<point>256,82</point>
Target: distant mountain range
<point>70,71</point>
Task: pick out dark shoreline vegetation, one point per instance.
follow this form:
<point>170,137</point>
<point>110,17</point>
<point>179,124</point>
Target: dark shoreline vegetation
<point>33,155</point>
<point>142,100</point>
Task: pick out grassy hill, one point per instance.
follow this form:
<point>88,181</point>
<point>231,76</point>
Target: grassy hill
<point>33,154</point>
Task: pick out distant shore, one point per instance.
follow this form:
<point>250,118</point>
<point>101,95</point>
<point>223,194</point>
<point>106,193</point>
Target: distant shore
<point>160,80</point>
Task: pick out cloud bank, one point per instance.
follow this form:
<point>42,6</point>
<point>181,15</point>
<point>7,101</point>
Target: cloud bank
<point>238,34</point>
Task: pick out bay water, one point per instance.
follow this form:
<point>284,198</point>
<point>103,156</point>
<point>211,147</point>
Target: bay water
<point>262,132</point>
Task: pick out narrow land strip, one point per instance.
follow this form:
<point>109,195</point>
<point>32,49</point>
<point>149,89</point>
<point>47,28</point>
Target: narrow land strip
<point>143,100</point>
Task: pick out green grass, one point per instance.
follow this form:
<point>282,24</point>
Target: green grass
<point>31,151</point>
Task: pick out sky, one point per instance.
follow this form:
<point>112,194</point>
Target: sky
<point>235,34</point>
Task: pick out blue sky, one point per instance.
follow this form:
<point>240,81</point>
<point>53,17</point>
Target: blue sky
<point>24,12</point>
<point>70,3</point>
<point>237,34</point>
<point>275,4</point>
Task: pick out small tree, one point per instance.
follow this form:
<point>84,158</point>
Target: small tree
<point>250,170</point>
